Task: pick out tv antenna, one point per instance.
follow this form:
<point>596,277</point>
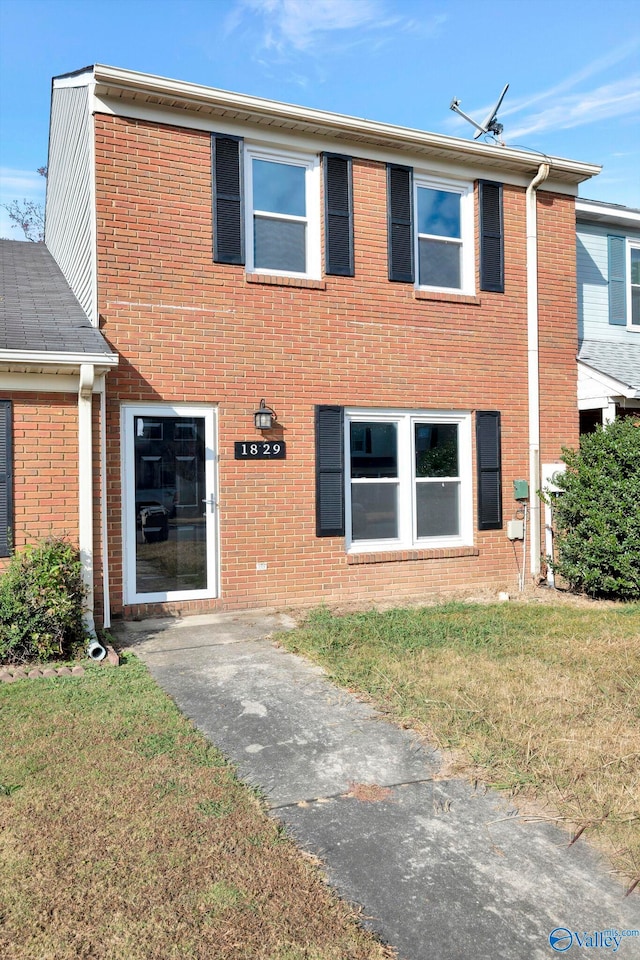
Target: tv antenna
<point>490,124</point>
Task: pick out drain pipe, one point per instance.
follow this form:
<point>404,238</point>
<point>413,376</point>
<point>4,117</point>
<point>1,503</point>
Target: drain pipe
<point>533,367</point>
<point>85,492</point>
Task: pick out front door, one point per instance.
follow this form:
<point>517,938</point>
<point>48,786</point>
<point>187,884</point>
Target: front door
<point>169,495</point>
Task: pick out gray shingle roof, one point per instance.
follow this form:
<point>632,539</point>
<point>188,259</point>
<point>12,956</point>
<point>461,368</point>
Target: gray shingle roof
<point>621,361</point>
<point>38,310</point>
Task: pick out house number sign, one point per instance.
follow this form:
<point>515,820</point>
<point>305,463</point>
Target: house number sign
<point>260,450</point>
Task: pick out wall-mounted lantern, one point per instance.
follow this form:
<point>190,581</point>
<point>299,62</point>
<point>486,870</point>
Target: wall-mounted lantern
<point>264,417</point>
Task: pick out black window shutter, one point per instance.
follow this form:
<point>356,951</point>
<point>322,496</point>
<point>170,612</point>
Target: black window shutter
<point>228,214</point>
<point>488,456</point>
<point>6,479</point>
<point>338,215</point>
<point>400,222</point>
<point>491,236</point>
<point>329,471</point>
<point>617,255</point>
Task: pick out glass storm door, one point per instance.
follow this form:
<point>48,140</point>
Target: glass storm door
<point>170,503</point>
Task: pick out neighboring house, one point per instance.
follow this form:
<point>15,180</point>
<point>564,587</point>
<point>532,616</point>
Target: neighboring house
<point>405,302</point>
<point>52,366</point>
<point>608,267</point>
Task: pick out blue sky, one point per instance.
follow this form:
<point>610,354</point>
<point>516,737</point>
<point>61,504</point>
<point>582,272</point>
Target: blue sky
<point>573,67</point>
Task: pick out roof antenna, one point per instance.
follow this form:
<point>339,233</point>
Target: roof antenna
<point>490,124</point>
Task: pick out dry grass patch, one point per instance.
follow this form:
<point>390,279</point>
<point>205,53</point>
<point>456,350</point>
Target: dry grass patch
<point>123,834</point>
<point>541,700</point>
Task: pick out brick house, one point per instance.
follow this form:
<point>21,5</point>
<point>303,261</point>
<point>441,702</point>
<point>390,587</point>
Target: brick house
<point>608,273</point>
<point>340,342</point>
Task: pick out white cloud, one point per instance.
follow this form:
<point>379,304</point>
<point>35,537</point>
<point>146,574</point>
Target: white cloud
<point>580,109</point>
<point>17,184</point>
<point>299,23</point>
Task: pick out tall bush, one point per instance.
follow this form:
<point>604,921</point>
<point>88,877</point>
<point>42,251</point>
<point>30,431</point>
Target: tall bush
<point>41,598</point>
<point>597,515</point>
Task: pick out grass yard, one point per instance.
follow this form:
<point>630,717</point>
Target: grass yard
<point>125,836</point>
<point>539,699</point>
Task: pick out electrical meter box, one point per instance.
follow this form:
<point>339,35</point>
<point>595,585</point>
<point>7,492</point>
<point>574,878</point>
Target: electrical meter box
<point>520,490</point>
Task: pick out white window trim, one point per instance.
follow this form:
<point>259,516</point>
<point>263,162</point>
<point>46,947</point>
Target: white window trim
<point>312,200</point>
<point>467,233</point>
<point>407,514</point>
<point>128,412</point>
<point>631,245</point>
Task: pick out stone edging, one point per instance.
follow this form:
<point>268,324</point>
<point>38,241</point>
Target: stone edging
<point>10,673</point>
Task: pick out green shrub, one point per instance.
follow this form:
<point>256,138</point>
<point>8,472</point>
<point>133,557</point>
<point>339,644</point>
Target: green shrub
<point>597,516</point>
<point>41,597</point>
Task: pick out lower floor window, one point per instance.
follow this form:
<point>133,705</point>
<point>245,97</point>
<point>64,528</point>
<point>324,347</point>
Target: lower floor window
<point>408,479</point>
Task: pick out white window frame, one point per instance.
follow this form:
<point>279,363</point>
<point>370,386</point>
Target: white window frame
<point>128,413</point>
<point>467,233</point>
<point>311,165</point>
<point>631,245</point>
<point>407,512</point>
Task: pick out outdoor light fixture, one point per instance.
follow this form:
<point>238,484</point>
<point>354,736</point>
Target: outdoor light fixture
<point>264,417</point>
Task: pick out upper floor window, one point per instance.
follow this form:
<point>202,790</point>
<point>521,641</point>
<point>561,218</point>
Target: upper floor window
<point>282,214</point>
<point>634,284</point>
<point>431,232</point>
<point>444,237</point>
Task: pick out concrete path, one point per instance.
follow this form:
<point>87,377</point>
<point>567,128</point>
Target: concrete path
<point>443,871</point>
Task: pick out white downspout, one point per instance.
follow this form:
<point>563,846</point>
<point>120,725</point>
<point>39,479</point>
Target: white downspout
<point>533,354</point>
<point>106,592</point>
<point>85,483</point>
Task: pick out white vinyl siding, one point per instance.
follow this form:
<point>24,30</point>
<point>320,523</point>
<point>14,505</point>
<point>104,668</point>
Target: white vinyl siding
<point>70,193</point>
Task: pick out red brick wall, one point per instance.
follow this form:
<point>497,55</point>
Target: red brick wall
<point>45,457</point>
<point>191,330</point>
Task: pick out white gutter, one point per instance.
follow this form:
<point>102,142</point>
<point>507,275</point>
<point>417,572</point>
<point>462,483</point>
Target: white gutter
<point>235,106</point>
<point>48,358</point>
<point>533,365</point>
<point>85,491</point>
<point>106,615</point>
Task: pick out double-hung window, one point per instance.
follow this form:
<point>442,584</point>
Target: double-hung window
<point>444,240</point>
<point>282,214</point>
<point>408,479</point>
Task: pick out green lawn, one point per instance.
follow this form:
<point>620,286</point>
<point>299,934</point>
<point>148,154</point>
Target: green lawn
<point>538,699</point>
<point>125,836</point>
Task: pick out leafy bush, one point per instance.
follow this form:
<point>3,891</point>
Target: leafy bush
<point>597,516</point>
<point>41,597</point>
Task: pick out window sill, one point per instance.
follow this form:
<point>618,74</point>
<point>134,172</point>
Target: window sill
<point>447,297</point>
<point>392,556</point>
<point>277,281</point>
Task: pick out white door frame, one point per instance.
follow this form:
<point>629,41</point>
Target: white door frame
<point>127,414</point>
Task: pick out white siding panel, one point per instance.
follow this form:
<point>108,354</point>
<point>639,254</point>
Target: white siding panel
<point>69,232</point>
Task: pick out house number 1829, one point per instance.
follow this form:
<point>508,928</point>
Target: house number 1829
<point>260,450</point>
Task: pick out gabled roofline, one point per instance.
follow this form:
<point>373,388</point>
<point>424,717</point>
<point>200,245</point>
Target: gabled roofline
<point>128,85</point>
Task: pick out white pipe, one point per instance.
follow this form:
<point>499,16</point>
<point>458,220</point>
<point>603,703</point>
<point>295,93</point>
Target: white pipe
<point>533,355</point>
<point>85,491</point>
<point>106,593</point>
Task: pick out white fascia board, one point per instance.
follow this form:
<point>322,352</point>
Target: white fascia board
<point>58,359</point>
<point>594,211</point>
<point>80,78</point>
<point>263,137</point>
<point>594,385</point>
<point>320,123</point>
<point>47,382</point>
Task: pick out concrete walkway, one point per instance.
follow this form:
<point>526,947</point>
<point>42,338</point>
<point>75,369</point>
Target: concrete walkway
<point>443,871</point>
